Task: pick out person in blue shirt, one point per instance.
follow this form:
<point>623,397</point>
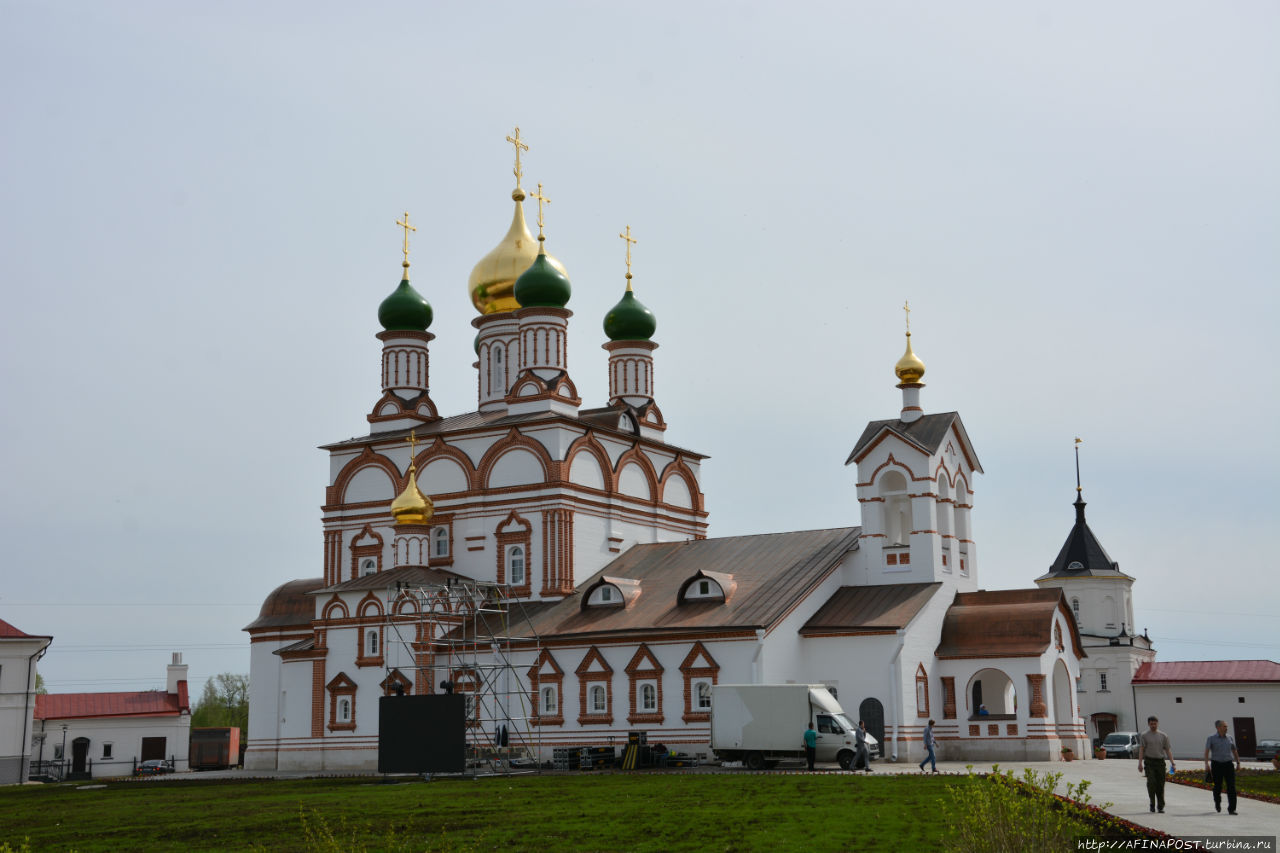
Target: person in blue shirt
<point>810,745</point>
<point>1219,750</point>
<point>931,758</point>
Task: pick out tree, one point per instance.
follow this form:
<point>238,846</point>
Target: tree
<point>223,702</point>
<point>41,690</point>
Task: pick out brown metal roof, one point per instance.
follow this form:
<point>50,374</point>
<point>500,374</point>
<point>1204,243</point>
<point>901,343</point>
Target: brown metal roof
<point>870,609</point>
<point>773,572</point>
<point>1006,623</point>
<point>926,433</point>
<point>411,575</point>
<point>289,605</point>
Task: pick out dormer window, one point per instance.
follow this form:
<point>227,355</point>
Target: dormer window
<point>1075,566</point>
<point>708,586</point>
<point>605,595</point>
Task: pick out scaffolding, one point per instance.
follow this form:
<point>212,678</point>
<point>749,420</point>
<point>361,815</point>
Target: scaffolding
<point>463,636</point>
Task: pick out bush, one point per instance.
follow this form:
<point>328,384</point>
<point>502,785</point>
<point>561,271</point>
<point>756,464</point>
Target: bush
<point>1004,814</point>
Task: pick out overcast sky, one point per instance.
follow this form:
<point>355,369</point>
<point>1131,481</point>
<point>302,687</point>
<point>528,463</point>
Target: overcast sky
<point>197,207</point>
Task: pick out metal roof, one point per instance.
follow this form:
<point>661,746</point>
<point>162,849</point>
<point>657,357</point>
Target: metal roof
<point>926,433</point>
<point>1003,624</point>
<point>1182,671</point>
<point>870,609</point>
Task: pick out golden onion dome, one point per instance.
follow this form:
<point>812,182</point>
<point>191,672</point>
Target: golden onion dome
<point>493,279</point>
<point>909,369</point>
<point>411,506</point>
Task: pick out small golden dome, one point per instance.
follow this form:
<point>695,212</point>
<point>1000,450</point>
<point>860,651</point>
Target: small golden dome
<point>909,369</point>
<point>411,506</point>
<point>493,279</point>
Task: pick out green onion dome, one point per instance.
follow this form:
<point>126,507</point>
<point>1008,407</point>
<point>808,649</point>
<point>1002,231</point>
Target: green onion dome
<point>542,285</point>
<point>405,309</point>
<point>629,320</point>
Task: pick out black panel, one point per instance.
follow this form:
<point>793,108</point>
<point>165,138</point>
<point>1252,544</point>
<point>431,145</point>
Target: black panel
<point>422,734</point>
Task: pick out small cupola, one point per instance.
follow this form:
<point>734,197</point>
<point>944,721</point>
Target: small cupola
<point>611,592</point>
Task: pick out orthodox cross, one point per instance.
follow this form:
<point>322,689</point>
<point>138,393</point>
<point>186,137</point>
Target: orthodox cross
<point>630,240</point>
<point>412,441</point>
<point>906,306</point>
<point>407,228</point>
<point>519,146</point>
<point>541,201</point>
<point>1079,441</point>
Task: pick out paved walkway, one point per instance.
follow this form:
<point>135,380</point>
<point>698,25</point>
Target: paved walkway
<point>1187,810</point>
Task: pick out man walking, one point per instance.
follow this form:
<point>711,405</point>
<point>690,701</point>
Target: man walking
<point>1219,750</point>
<point>810,745</point>
<point>862,757</point>
<point>1153,746</point>
<point>928,744</point>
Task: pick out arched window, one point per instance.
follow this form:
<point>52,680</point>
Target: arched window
<point>549,701</point>
<point>440,542</point>
<point>515,565</point>
<point>1075,608</point>
<point>368,567</point>
<point>344,710</point>
<point>497,373</point>
<point>897,508</point>
<point>599,699</point>
<point>648,698</point>
<point>703,702</point>
<point>372,643</point>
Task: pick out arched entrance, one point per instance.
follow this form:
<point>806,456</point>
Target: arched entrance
<point>992,688</point>
<point>871,712</point>
<point>1063,706</point>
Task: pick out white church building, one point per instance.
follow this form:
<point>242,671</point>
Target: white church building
<point>551,562</point>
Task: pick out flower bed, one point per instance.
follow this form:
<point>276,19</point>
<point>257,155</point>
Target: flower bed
<point>1247,782</point>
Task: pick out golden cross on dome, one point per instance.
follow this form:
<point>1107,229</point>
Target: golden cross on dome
<point>630,241</point>
<point>407,228</point>
<point>519,145</point>
<point>906,306</point>
<point>542,199</point>
<point>412,441</point>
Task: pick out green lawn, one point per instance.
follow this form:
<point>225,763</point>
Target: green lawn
<point>1252,780</point>
<point>705,812</point>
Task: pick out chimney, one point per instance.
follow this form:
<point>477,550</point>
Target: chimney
<point>177,671</point>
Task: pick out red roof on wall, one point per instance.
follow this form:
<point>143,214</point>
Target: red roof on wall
<point>7,631</point>
<point>145,703</point>
<point>1177,671</point>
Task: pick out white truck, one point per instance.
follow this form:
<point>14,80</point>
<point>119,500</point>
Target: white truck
<point>760,724</point>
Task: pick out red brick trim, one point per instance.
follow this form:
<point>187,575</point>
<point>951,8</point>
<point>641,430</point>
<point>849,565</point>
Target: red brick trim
<point>557,552</point>
<point>333,607</point>
<point>439,449</point>
<point>340,687</point>
<point>1037,706</point>
<point>697,666</point>
<point>360,552</point>
<point>396,677</point>
<point>948,697</point>
<point>539,680</point>
<point>922,679</point>
<point>513,439</point>
<point>588,443</point>
<point>515,530</point>
<point>587,678</point>
<point>317,697</point>
<point>679,468</point>
<point>634,454</point>
<point>643,667</point>
<point>335,494</point>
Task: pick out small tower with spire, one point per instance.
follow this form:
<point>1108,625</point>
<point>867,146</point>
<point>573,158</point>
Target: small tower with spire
<point>1101,599</point>
<point>629,325</point>
<point>405,316</point>
<point>412,511</point>
<point>492,289</point>
<point>542,380</point>
<point>910,370</point>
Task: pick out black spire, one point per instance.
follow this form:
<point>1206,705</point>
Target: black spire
<point>1082,553</point>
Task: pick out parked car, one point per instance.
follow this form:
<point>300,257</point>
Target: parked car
<point>153,767</point>
<point>1267,750</point>
<point>1121,745</point>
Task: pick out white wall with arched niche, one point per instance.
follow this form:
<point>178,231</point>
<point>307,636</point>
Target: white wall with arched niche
<point>892,487</point>
<point>586,471</point>
<point>676,493</point>
<point>633,482</point>
<point>369,484</point>
<point>516,467</point>
<point>440,476</point>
